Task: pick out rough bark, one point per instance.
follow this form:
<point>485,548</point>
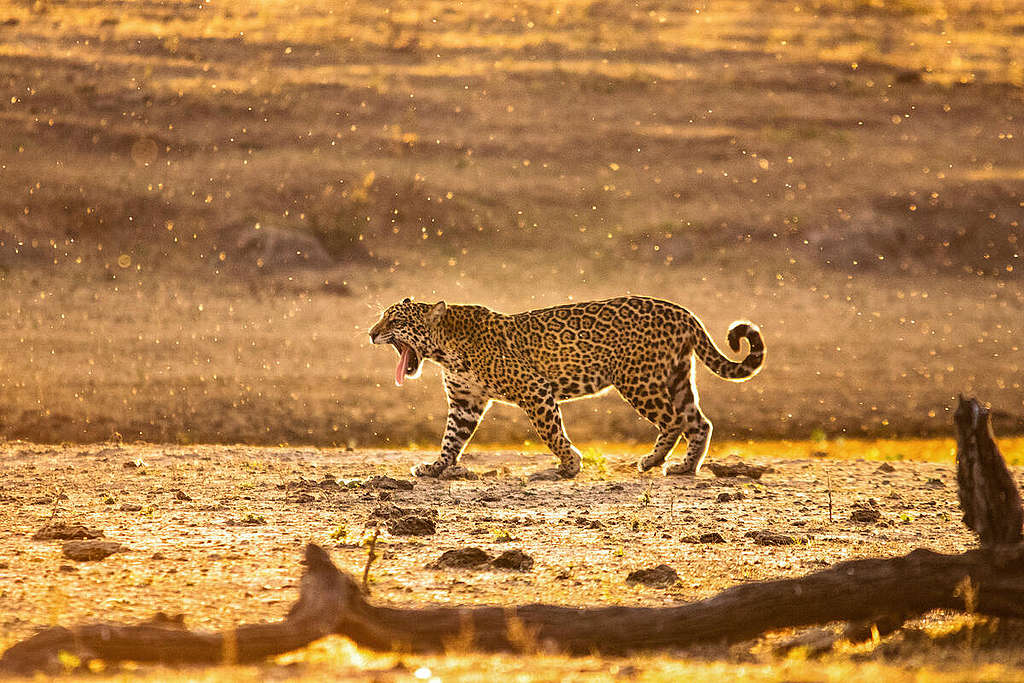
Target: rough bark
<point>988,495</point>
<point>988,581</point>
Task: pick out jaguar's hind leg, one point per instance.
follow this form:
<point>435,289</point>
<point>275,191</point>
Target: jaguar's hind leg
<point>547,420</point>
<point>697,430</point>
<point>667,440</point>
<point>655,404</point>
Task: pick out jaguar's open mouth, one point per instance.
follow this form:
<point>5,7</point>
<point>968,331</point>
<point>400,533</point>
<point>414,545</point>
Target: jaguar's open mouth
<point>408,362</point>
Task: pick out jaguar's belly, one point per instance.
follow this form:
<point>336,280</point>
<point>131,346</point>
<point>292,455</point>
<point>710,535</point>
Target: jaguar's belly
<point>568,388</point>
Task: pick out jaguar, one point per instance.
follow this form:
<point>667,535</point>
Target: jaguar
<point>643,347</point>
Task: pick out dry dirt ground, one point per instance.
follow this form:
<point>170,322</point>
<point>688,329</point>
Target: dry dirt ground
<point>217,533</point>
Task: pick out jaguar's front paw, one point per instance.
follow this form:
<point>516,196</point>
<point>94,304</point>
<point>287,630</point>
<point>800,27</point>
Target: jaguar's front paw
<point>569,466</point>
<point>647,463</point>
<point>568,470</point>
<point>428,469</point>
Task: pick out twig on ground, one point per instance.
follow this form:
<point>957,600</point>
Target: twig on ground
<point>370,557</point>
<point>828,485</point>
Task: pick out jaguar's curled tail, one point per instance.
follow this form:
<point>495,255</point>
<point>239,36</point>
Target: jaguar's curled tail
<point>728,369</point>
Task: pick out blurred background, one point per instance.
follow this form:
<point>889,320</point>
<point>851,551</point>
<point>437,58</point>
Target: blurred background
<point>204,206</point>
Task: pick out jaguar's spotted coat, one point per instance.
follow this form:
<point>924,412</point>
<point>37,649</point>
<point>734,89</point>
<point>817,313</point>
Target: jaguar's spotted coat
<point>643,347</point>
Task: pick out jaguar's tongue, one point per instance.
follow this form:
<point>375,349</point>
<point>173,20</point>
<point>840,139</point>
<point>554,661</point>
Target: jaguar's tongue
<point>403,363</point>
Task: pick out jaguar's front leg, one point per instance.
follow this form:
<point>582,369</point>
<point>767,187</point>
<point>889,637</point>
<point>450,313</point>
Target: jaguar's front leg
<point>547,420</point>
<point>466,405</point>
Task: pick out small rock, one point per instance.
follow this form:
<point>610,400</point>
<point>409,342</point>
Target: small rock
<point>90,550</point>
<point>865,515</point>
<point>249,519</point>
<point>934,483</point>
<point>62,531</point>
<point>301,498</point>
<point>702,485</point>
<point>458,472</point>
<point>392,511</point>
<point>67,568</point>
<point>300,483</point>
<point>389,483</point>
<point>885,467</point>
<point>274,247</point>
<point>711,537</point>
<point>724,497</point>
<point>181,495</point>
<point>411,525</point>
<point>461,557</point>
<point>130,507</point>
<point>387,511</point>
<point>129,464</point>
<point>513,559</point>
<point>661,576</point>
<point>738,469</point>
<point>589,523</point>
<point>770,538</point>
<point>866,512</point>
<point>819,454</point>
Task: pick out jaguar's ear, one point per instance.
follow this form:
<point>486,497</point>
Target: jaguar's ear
<point>407,300</point>
<point>436,313</point>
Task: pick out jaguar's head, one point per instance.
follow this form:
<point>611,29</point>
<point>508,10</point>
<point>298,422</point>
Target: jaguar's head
<point>413,329</point>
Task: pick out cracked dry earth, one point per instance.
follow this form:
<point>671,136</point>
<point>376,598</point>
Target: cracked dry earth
<point>217,532</point>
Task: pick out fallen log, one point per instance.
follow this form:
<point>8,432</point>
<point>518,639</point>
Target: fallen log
<point>331,602</point>
<point>321,599</point>
<point>989,581</point>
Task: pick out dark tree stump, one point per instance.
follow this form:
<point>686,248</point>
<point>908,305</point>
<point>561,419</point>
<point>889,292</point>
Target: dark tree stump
<point>988,495</point>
